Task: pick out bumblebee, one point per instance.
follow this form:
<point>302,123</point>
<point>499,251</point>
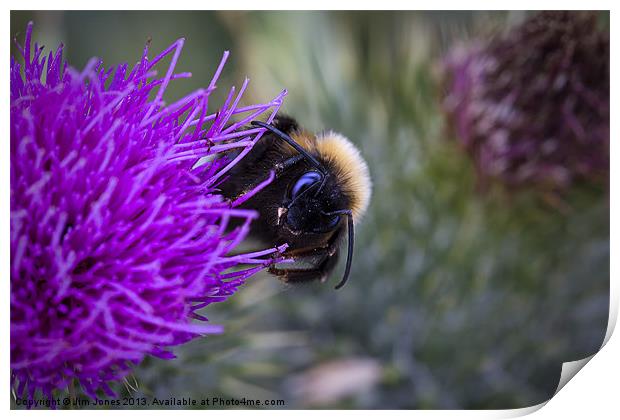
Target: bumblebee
<point>321,189</point>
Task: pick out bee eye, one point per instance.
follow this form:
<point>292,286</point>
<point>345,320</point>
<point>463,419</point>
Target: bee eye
<point>304,182</point>
<point>333,221</point>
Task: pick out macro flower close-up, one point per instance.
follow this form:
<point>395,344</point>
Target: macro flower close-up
<point>403,210</point>
<point>118,237</point>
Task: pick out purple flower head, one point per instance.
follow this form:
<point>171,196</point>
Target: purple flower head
<point>532,106</point>
<point>117,236</point>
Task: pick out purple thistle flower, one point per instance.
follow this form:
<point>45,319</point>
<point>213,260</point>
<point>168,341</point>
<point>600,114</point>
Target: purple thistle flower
<point>117,236</point>
<point>532,106</point>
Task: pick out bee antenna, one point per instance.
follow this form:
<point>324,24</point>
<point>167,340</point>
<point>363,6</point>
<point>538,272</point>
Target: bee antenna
<point>293,143</point>
<point>351,235</point>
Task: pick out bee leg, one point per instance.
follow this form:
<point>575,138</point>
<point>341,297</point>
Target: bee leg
<point>299,275</point>
<point>325,265</point>
<point>333,244</point>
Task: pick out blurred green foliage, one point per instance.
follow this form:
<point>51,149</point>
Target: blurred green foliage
<point>463,298</point>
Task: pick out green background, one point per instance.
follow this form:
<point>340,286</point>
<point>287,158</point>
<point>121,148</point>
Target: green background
<point>459,297</point>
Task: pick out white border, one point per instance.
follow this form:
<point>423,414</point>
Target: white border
<point>593,393</point>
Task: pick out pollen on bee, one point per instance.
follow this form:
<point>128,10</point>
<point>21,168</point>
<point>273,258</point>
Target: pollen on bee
<point>281,212</point>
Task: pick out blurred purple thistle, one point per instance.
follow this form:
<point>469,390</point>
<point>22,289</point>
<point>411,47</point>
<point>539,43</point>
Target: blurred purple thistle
<point>117,236</point>
<point>532,106</point>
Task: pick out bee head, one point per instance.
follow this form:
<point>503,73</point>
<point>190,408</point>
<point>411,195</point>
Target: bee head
<point>315,203</point>
<point>311,199</point>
